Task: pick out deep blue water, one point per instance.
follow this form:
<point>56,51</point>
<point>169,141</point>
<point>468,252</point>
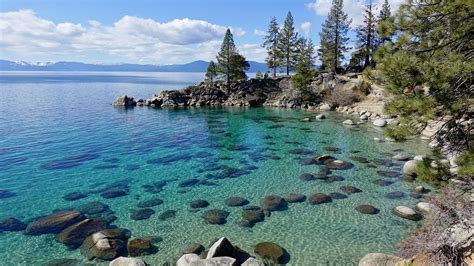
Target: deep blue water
<point>59,134</point>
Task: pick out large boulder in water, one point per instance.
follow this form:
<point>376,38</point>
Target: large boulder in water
<point>294,197</point>
<point>406,213</point>
<point>54,223</point>
<point>139,247</point>
<point>221,248</point>
<point>236,201</point>
<point>409,168</point>
<point>74,235</point>
<point>367,209</point>
<point>124,101</point>
<point>105,245</point>
<point>124,261</point>
<point>273,203</point>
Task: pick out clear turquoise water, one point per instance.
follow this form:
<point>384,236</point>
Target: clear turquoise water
<point>46,118</point>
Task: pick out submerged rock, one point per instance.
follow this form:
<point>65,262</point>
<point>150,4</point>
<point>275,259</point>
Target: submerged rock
<point>338,165</point>
<point>197,204</point>
<point>273,203</point>
<point>236,201</point>
<point>6,194</point>
<point>253,216</point>
<point>150,203</point>
<point>105,245</point>
<point>74,235</point>
<point>319,198</point>
<point>11,224</point>
<point>74,196</point>
<point>140,247</point>
<point>188,182</point>
<point>142,214</point>
<point>337,195</point>
<point>294,197</point>
<point>382,182</point>
<point>54,223</point>
<point>270,251</point>
<point>367,209</point>
<point>193,248</point>
<point>166,215</point>
<point>395,195</point>
<point>306,177</point>
<point>216,216</point>
<point>350,189</point>
<point>401,157</point>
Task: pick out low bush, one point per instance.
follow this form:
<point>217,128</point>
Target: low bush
<point>398,133</point>
<point>432,175</point>
<point>465,163</point>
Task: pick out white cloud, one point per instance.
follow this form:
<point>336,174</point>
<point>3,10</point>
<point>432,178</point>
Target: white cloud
<point>354,8</point>
<point>134,38</point>
<point>258,32</point>
<point>306,28</point>
<point>254,52</point>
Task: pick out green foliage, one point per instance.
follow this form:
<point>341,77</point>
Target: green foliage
<point>287,47</point>
<point>334,38</point>
<point>366,37</point>
<point>305,56</point>
<point>211,72</point>
<point>433,175</point>
<point>385,28</point>
<point>433,50</point>
<point>398,133</point>
<point>415,108</point>
<point>465,163</point>
<point>273,59</point>
<point>302,81</point>
<point>231,65</point>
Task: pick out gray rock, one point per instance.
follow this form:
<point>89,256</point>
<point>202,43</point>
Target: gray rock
<point>187,259</point>
<point>348,122</point>
<point>406,213</point>
<point>424,207</point>
<point>124,101</point>
<point>253,262</point>
<point>218,261</point>
<point>379,122</point>
<point>54,223</point>
<point>321,116</point>
<point>377,259</point>
<point>325,107</point>
<point>124,261</point>
<point>409,168</point>
<point>221,248</point>
<point>401,157</point>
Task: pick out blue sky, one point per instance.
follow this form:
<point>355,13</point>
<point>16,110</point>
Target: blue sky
<point>145,31</point>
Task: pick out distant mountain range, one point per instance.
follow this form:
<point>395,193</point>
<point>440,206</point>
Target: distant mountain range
<point>196,66</point>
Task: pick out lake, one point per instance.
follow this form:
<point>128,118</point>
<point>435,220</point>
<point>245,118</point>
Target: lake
<point>60,134</point>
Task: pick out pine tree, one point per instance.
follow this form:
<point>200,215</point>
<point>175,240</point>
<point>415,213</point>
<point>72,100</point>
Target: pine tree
<point>429,67</point>
<point>334,37</point>
<point>211,72</point>
<point>385,23</point>
<point>366,36</point>
<point>287,44</point>
<point>231,65</point>
<point>271,44</point>
<point>305,57</point>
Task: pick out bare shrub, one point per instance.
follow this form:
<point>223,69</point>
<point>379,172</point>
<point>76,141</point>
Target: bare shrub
<point>341,96</point>
<point>451,207</point>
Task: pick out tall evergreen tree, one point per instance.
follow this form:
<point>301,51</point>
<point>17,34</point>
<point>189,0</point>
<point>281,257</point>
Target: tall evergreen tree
<point>231,65</point>
<point>287,43</point>
<point>366,36</point>
<point>305,57</point>
<point>271,44</point>
<point>211,72</point>
<point>385,23</point>
<point>334,37</point>
<point>430,66</point>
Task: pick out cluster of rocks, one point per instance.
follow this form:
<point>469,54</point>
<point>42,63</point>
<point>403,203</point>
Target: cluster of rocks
<point>278,92</point>
<point>222,252</point>
<point>96,238</point>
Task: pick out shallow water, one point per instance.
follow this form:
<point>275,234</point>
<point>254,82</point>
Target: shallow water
<point>63,137</point>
